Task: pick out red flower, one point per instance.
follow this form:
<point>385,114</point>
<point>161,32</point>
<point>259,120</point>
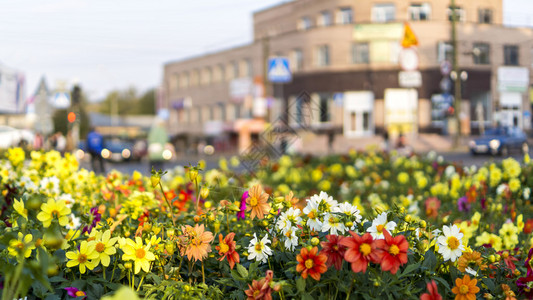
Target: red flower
<point>508,259</point>
<point>143,218</point>
<point>528,227</point>
<point>333,250</point>
<point>226,248</point>
<point>260,289</point>
<point>392,252</point>
<point>432,207</point>
<point>433,292</point>
<point>309,263</point>
<point>360,251</point>
<point>181,200</point>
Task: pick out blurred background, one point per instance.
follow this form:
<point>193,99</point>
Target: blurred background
<point>174,81</point>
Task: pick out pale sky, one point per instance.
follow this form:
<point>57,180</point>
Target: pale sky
<point>107,44</point>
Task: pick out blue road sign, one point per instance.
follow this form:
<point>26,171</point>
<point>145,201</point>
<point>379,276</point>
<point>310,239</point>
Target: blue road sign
<point>278,70</point>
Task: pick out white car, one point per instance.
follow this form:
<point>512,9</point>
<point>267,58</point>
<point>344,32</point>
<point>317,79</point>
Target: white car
<point>12,137</point>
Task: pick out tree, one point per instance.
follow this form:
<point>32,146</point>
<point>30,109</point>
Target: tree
<point>128,102</point>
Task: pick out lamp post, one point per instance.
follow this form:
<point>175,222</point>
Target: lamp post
<point>457,80</point>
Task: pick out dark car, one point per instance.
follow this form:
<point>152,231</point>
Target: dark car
<point>118,149</point>
<point>500,140</point>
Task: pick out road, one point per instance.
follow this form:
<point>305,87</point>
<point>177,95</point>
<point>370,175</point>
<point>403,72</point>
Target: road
<point>464,158</point>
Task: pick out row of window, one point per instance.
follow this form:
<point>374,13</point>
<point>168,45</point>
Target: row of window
<point>481,53</point>
<point>386,12</point>
<point>218,112</point>
<point>208,75</point>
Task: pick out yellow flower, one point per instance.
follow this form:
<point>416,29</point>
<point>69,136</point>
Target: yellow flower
<point>514,184</point>
<point>16,156</point>
<point>139,253</point>
<point>509,234</point>
<point>520,222</point>
<point>18,205</point>
<point>85,258</point>
<point>54,210</point>
<point>123,293</point>
<point>104,246</point>
<point>22,245</point>
<point>475,220</point>
<point>403,178</point>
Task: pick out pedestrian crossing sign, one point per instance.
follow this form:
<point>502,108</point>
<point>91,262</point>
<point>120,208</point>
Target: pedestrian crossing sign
<point>278,70</point>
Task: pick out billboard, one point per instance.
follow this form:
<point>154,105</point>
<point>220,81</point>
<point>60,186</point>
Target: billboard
<point>12,90</point>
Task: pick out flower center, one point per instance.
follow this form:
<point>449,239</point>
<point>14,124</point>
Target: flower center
<point>253,201</point>
<point>379,228</point>
<point>82,258</point>
<point>224,247</point>
<point>80,293</point>
<point>464,289</point>
<point>256,293</point>
<point>20,246</point>
<point>55,213</point>
<point>258,247</point>
<point>100,247</point>
<point>140,253</point>
<point>453,243</point>
<point>288,234</point>
<point>311,214</point>
<point>309,263</point>
<point>365,249</point>
<point>394,250</point>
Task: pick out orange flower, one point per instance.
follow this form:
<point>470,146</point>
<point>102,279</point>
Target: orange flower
<point>226,249</point>
<point>465,289</point>
<point>257,202</point>
<point>260,289</point>
<point>309,263</point>
<point>360,251</point>
<point>470,259</point>
<point>198,244</point>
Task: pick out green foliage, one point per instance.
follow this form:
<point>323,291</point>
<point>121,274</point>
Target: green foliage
<point>128,102</point>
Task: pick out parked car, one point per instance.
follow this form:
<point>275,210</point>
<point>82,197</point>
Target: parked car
<point>117,149</point>
<point>12,137</point>
<point>500,140</point>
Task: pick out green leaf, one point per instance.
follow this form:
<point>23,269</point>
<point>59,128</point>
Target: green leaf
<point>430,261</point>
<point>489,283</point>
<point>242,271</point>
<point>443,282</point>
<point>236,275</point>
<point>410,268</point>
<point>300,284</point>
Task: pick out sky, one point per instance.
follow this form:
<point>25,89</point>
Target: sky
<point>105,45</point>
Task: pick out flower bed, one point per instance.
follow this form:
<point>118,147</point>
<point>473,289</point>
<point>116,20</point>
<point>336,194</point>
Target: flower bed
<point>360,226</point>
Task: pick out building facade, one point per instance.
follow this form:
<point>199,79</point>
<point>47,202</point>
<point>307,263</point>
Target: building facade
<point>346,56</point>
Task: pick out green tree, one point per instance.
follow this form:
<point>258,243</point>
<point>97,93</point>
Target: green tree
<point>128,102</point>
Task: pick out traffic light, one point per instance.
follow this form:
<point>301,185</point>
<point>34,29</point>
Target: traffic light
<point>71,117</point>
<point>76,95</point>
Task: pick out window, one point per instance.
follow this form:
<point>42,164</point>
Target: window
<point>304,23</point>
<point>324,108</point>
<point>322,56</point>
<point>237,111</point>
<point>419,12</point>
<point>382,13</point>
<point>366,121</point>
<point>194,78</point>
<point>199,111</point>
<point>174,82</point>
<point>481,53</point>
<point>345,15</point>
<point>222,73</point>
<point>222,111</point>
<point>245,68</point>
<point>249,68</point>
<point>360,53</point>
<point>484,16</point>
<point>353,121</point>
<point>444,51</point>
<point>459,12</point>
<point>510,53</point>
<point>324,19</point>
<point>297,60</point>
<point>235,70</point>
<point>207,76</point>
<point>185,80</point>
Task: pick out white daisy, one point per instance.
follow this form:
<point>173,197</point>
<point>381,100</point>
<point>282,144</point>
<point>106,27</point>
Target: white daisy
<point>333,225</point>
<point>289,218</point>
<point>379,224</point>
<point>325,202</point>
<point>27,183</point>
<point>258,249</point>
<point>50,185</point>
<point>311,210</point>
<point>291,240</point>
<point>75,222</point>
<point>69,201</point>
<point>451,243</point>
<point>350,210</point>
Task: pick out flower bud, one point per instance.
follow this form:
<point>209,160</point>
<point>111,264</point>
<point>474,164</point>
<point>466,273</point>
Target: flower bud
<point>423,224</point>
<point>204,192</point>
<point>128,265</point>
<point>155,179</point>
<point>315,241</point>
<point>193,174</point>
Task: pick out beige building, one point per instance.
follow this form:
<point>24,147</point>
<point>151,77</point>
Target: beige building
<point>347,67</point>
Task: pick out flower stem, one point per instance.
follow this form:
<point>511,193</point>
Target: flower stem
<point>203,274</point>
<point>141,282</point>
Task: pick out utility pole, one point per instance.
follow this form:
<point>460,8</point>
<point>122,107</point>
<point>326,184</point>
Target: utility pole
<point>267,90</point>
<point>457,79</point>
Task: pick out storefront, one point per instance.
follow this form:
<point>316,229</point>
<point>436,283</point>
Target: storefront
<point>358,114</point>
